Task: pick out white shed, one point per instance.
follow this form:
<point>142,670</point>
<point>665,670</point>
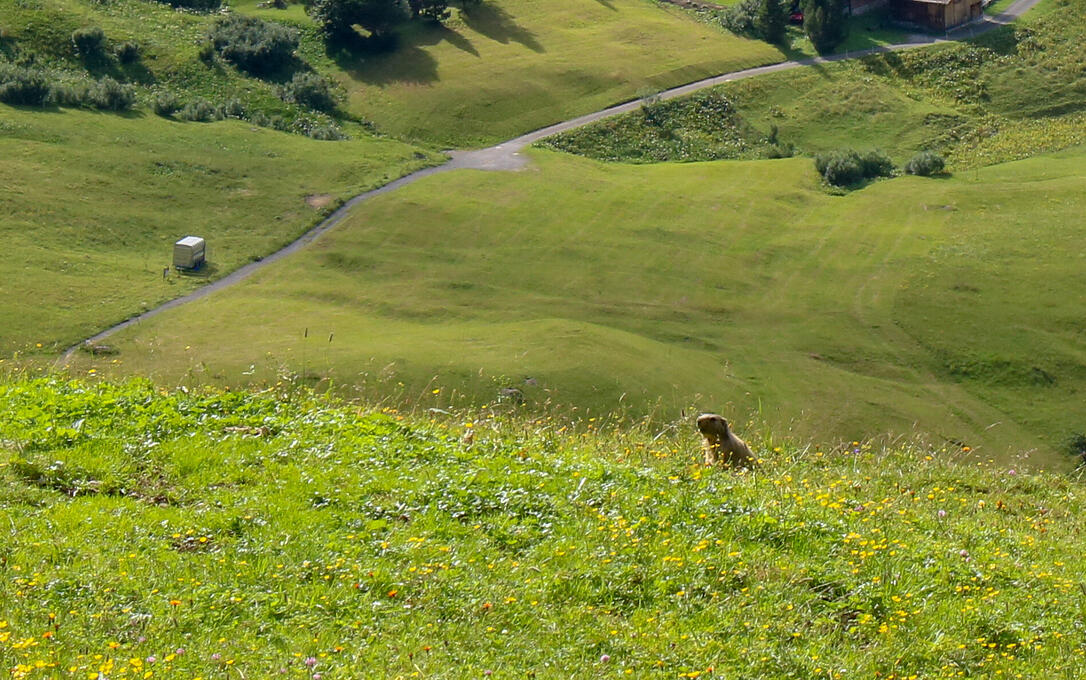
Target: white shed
<point>189,253</point>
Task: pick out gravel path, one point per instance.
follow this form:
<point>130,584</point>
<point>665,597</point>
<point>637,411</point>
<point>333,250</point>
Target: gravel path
<point>507,155</point>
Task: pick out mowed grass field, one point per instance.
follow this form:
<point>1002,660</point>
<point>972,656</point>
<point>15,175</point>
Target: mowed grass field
<point>506,67</point>
<point>92,203</point>
<point>947,307</point>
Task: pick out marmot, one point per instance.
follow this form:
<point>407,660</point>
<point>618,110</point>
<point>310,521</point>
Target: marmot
<point>720,444</point>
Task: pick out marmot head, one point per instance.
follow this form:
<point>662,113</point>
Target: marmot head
<point>712,425</point>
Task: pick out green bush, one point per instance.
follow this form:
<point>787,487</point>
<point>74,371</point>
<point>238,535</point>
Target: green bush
<point>198,110</point>
<point>127,53</point>
<point>110,95</point>
<point>25,86</point>
<point>195,5</point>
<point>165,104</point>
<point>253,45</point>
<point>232,109</point>
<point>433,10</point>
<point>63,94</point>
<point>876,164</point>
<point>309,90</point>
<point>841,167</point>
<point>925,163</point>
<point>1076,445</point>
<point>90,43</point>
<point>847,167</point>
<point>742,18</point>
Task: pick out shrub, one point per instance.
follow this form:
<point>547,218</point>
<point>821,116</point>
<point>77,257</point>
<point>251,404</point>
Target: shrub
<point>1076,445</point>
<point>110,95</point>
<point>309,90</point>
<point>325,133</point>
<point>128,53</point>
<point>198,110</point>
<point>876,164</point>
<point>196,5</point>
<point>256,46</point>
<point>206,54</point>
<point>780,150</point>
<point>62,94</point>
<point>90,43</point>
<point>433,10</point>
<point>165,104</point>
<point>742,18</point>
<point>232,109</point>
<point>925,163</point>
<point>845,167</point>
<point>841,168</point>
<point>26,86</point>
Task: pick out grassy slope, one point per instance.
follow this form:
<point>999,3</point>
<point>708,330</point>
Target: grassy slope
<point>620,286</point>
<point>510,66</point>
<point>93,203</point>
<point>230,183</point>
<point>1014,93</point>
<point>359,545</point>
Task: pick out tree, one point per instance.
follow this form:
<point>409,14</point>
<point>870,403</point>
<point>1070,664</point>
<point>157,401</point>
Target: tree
<point>434,10</point>
<point>825,23</point>
<point>772,20</point>
<point>337,18</point>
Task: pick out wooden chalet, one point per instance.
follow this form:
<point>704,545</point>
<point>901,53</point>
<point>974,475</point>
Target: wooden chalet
<point>936,15</point>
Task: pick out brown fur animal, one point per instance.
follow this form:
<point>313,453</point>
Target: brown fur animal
<point>721,445</point>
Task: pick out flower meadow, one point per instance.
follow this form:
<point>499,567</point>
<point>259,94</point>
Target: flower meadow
<point>172,534</point>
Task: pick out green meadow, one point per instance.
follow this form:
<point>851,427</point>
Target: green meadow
<point>1012,93</point>
<point>499,69</point>
<point>949,307</point>
<point>155,534</point>
<point>92,203</point>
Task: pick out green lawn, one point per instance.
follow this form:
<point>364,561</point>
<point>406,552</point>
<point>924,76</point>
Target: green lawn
<point>155,534</point>
<point>936,306</point>
<point>92,203</point>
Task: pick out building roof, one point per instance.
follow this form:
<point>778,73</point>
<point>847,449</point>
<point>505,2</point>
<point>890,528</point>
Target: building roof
<point>190,241</point>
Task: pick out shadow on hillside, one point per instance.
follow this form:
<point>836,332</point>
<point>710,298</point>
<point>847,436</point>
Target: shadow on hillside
<point>496,24</point>
<point>406,63</point>
<point>435,33</point>
<point>607,4</point>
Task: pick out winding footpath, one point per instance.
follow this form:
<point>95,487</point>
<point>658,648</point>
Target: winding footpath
<point>507,155</point>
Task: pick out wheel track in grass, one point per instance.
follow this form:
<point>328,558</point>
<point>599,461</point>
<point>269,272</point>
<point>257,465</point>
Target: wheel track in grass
<point>507,156</point>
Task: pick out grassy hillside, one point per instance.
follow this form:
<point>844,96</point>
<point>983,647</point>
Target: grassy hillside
<point>93,202</point>
<point>1011,94</point>
<point>95,199</point>
<point>211,535</point>
<point>945,306</point>
<point>509,66</point>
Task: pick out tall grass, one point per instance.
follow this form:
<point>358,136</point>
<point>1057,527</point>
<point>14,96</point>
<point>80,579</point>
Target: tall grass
<point>213,534</point>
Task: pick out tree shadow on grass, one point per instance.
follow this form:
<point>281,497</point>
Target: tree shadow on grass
<point>407,64</point>
<point>496,24</point>
<point>434,33</point>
